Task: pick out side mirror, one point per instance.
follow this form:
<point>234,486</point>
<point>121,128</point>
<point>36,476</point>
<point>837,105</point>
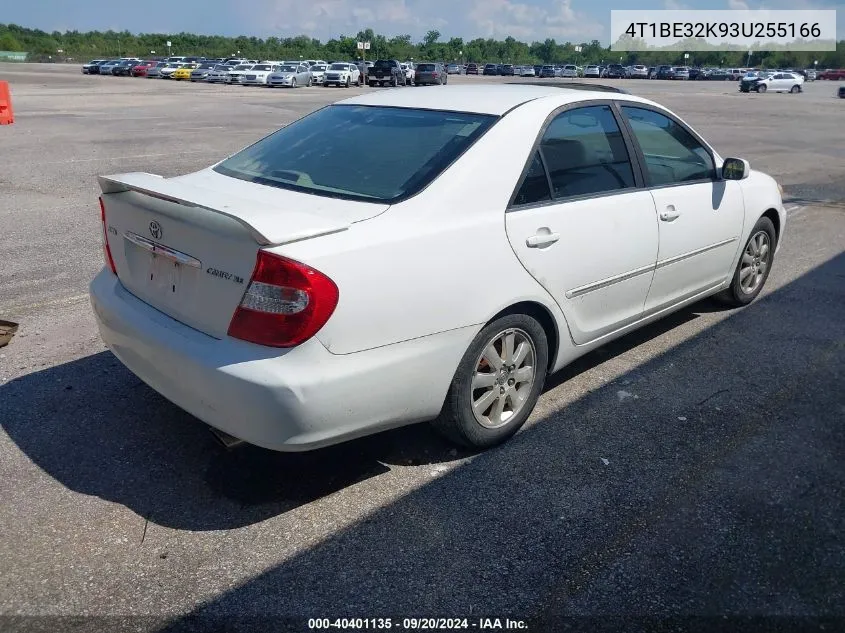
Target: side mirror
<point>735,169</point>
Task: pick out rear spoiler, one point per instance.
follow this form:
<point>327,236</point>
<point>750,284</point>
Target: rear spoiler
<point>267,225</point>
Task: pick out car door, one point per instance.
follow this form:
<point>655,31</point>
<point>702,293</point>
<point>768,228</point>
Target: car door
<point>700,216</point>
<point>581,223</point>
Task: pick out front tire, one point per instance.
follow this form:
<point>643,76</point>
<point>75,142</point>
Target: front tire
<point>761,89</point>
<point>795,90</point>
<point>754,265</point>
<point>347,84</point>
<point>497,383</point>
<point>293,83</point>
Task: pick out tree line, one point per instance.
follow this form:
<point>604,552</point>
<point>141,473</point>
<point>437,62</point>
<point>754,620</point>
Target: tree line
<point>82,46</point>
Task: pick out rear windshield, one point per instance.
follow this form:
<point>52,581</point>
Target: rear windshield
<point>426,68</point>
<point>370,153</point>
<point>383,64</point>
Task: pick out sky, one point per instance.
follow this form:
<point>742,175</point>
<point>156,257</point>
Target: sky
<point>526,20</point>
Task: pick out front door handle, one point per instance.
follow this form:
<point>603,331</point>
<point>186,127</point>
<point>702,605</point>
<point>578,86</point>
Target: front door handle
<point>669,215</point>
<point>542,239</point>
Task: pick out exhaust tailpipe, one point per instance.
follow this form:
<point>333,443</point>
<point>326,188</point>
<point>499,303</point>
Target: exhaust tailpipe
<point>229,442</point>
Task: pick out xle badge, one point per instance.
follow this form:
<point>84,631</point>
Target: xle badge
<point>222,274</point>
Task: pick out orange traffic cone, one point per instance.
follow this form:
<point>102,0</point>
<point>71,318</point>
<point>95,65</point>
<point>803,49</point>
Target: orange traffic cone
<point>7,116</point>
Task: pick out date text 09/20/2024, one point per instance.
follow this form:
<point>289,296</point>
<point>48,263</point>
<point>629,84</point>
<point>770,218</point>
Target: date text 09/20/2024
<point>416,624</point>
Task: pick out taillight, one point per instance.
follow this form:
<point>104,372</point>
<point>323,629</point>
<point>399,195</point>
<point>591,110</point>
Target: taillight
<point>285,304</point>
<point>106,250</point>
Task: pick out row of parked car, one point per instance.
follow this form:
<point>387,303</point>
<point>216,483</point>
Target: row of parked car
<point>233,71</point>
<point>272,73</point>
<point>636,71</point>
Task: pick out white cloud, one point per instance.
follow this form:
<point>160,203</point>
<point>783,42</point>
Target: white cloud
<point>498,18</point>
<point>330,18</point>
<point>738,5</point>
<point>674,5</point>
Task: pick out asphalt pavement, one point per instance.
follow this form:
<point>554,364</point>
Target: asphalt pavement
<point>689,471</point>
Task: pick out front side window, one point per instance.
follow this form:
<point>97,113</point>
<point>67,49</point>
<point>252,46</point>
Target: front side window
<point>369,153</point>
<point>584,153</point>
<point>672,154</point>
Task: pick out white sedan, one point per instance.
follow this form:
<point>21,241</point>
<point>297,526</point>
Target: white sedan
<point>258,75</point>
<point>781,82</point>
<point>338,278</point>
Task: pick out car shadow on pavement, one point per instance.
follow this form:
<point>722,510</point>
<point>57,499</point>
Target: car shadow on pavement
<point>716,492</point>
<point>99,430</point>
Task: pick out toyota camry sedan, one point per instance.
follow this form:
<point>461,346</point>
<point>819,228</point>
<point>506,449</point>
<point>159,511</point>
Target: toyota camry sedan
<point>338,278</point>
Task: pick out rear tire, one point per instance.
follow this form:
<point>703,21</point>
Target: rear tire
<point>754,265</point>
<point>497,383</point>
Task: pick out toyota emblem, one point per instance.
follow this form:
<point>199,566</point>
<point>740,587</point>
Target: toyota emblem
<point>155,229</point>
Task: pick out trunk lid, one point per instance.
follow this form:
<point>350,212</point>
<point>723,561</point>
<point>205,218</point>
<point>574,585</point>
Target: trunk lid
<point>187,246</point>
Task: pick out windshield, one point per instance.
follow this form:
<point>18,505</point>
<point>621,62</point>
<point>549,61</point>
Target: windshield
<point>339,67</point>
<point>242,67</point>
<point>287,68</point>
<point>318,67</point>
<point>426,68</point>
<point>261,67</point>
<point>371,153</point>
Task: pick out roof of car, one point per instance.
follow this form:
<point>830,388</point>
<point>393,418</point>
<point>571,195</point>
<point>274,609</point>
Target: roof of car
<point>489,99</point>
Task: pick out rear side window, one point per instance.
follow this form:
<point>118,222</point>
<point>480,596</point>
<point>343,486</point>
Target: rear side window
<point>377,154</point>
<point>672,154</point>
<point>584,153</point>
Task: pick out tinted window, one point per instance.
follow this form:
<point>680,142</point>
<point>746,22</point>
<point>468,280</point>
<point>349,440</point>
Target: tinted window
<point>585,153</point>
<point>359,152</point>
<point>384,64</point>
<point>672,154</point>
<point>535,187</point>
<point>425,68</point>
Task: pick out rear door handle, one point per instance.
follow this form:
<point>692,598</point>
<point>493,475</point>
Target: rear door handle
<point>669,215</point>
<point>542,239</point>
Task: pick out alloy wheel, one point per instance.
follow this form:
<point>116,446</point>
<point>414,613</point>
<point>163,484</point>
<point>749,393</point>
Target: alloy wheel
<point>755,262</point>
<point>504,377</point>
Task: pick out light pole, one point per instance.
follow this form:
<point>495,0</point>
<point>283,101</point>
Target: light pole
<point>118,48</point>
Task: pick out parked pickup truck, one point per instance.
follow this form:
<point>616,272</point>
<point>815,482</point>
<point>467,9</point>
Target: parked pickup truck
<point>386,71</point>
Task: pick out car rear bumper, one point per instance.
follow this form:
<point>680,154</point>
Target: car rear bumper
<point>288,400</point>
